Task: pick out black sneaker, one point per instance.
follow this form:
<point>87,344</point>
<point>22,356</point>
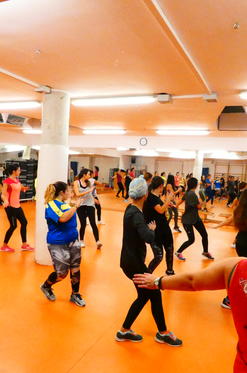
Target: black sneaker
<point>48,292</point>
<point>226,303</point>
<point>208,255</point>
<point>168,338</point>
<point>128,336</point>
<point>77,299</point>
<point>170,273</point>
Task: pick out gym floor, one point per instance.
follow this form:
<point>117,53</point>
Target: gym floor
<point>40,336</point>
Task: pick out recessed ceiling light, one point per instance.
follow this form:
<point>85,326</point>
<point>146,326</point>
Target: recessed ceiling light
<point>104,131</point>
<point>243,95</point>
<point>32,131</point>
<point>113,101</point>
<point>183,132</point>
<point>19,105</point>
<point>122,148</point>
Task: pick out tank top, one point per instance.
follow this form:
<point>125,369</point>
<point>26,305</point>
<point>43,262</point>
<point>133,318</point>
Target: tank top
<point>87,199</point>
<point>238,298</point>
<point>13,192</point>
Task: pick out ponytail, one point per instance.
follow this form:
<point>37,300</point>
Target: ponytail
<point>53,190</point>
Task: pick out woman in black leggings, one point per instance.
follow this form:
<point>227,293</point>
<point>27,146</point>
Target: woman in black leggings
<point>11,202</point>
<point>135,234</point>
<point>155,208</point>
<point>191,219</point>
<point>172,210</point>
<point>84,190</point>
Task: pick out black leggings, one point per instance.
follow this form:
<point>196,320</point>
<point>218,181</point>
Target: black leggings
<point>166,242</point>
<point>231,198</point>
<point>13,215</point>
<point>120,189</point>
<point>98,208</point>
<point>127,186</point>
<point>143,296</point>
<point>173,211</point>
<point>83,212</point>
<point>191,236</point>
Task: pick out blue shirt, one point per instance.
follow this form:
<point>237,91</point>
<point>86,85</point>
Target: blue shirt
<point>217,184</point>
<point>60,233</point>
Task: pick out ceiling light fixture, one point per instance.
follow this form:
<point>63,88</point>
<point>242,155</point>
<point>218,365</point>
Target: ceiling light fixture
<point>182,132</point>
<point>19,105</point>
<point>243,95</point>
<point>183,154</point>
<point>122,149</point>
<point>113,101</point>
<point>104,131</point>
<point>73,152</point>
<point>32,131</point>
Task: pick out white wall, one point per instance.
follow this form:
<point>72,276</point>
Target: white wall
<point>104,164</point>
<point>83,161</point>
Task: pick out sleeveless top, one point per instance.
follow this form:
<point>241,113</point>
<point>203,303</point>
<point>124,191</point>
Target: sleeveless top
<point>238,298</point>
<point>87,199</point>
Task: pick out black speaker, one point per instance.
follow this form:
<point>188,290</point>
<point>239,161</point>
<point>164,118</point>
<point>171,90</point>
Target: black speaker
<point>133,160</point>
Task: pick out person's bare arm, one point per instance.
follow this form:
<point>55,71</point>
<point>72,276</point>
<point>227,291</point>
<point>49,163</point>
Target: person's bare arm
<point>214,277</point>
<point>4,195</point>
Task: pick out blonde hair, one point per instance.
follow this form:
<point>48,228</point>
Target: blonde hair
<point>53,190</point>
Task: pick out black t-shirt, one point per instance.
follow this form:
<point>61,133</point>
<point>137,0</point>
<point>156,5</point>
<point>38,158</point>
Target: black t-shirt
<point>151,214</point>
<point>222,180</point>
<point>135,234</point>
<point>190,215</point>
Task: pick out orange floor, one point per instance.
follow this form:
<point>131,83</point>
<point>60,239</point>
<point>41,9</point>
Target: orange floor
<point>38,336</point>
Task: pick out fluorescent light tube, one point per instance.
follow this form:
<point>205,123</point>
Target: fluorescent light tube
<point>113,101</point>
<point>19,105</point>
<point>243,95</point>
<point>183,132</point>
<point>104,132</point>
<point>32,131</point>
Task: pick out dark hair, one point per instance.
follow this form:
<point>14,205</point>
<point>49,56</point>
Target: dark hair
<point>156,182</point>
<point>148,176</point>
<point>96,168</point>
<point>240,213</point>
<point>83,172</point>
<point>53,190</point>
<point>192,183</point>
<point>11,168</point>
<point>171,180</point>
<point>162,173</point>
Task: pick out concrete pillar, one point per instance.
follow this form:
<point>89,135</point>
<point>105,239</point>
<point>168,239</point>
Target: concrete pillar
<point>198,165</point>
<point>53,161</point>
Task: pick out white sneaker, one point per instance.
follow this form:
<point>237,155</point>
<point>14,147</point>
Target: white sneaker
<point>101,222</point>
<point>233,245</point>
<point>99,245</point>
<point>83,244</point>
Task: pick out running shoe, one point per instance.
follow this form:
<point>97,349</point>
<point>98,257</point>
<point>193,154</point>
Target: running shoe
<point>99,245</point>
<point>77,299</point>
<point>226,303</point>
<point>233,245</point>
<point>177,230</point>
<point>27,248</point>
<point>180,256</point>
<point>83,244</point>
<point>168,338</point>
<point>130,335</point>
<point>48,292</point>
<point>170,273</point>
<point>101,222</point>
<point>208,255</point>
<point>7,249</point>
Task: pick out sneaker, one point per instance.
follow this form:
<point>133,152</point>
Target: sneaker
<point>27,248</point>
<point>83,244</point>
<point>226,303</point>
<point>170,273</point>
<point>233,245</point>
<point>128,336</point>
<point>168,338</point>
<point>208,256</point>
<point>177,230</point>
<point>180,256</point>
<point>6,248</point>
<point>77,299</point>
<point>101,222</point>
<point>48,292</point>
<point>99,245</point>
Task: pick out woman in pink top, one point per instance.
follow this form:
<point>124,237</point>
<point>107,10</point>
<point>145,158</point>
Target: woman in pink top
<point>11,202</point>
<point>231,274</point>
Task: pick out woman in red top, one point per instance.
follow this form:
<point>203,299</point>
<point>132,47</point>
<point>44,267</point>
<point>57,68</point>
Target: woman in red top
<point>11,202</point>
<point>231,274</point>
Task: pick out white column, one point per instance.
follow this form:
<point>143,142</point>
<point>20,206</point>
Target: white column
<point>53,161</point>
<point>198,165</point>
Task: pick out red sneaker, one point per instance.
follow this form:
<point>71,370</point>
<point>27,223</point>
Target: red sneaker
<point>26,247</point>
<point>6,249</point>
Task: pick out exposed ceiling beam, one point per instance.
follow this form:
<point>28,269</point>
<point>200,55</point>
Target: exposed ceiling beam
<point>20,78</point>
<point>159,13</point>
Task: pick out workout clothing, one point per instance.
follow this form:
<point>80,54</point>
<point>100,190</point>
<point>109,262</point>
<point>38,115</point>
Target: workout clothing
<point>13,192</point>
<point>190,215</point>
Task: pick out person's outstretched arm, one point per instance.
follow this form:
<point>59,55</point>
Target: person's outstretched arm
<point>214,277</point>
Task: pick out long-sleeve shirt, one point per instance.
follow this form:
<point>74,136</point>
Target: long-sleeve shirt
<point>135,234</point>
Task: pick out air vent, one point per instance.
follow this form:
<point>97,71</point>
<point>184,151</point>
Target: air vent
<point>233,109</point>
<point>233,118</point>
<point>15,120</point>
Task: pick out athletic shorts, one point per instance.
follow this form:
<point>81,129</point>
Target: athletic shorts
<point>65,257</point>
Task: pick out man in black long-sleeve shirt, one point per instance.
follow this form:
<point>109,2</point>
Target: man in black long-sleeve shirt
<point>136,232</point>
